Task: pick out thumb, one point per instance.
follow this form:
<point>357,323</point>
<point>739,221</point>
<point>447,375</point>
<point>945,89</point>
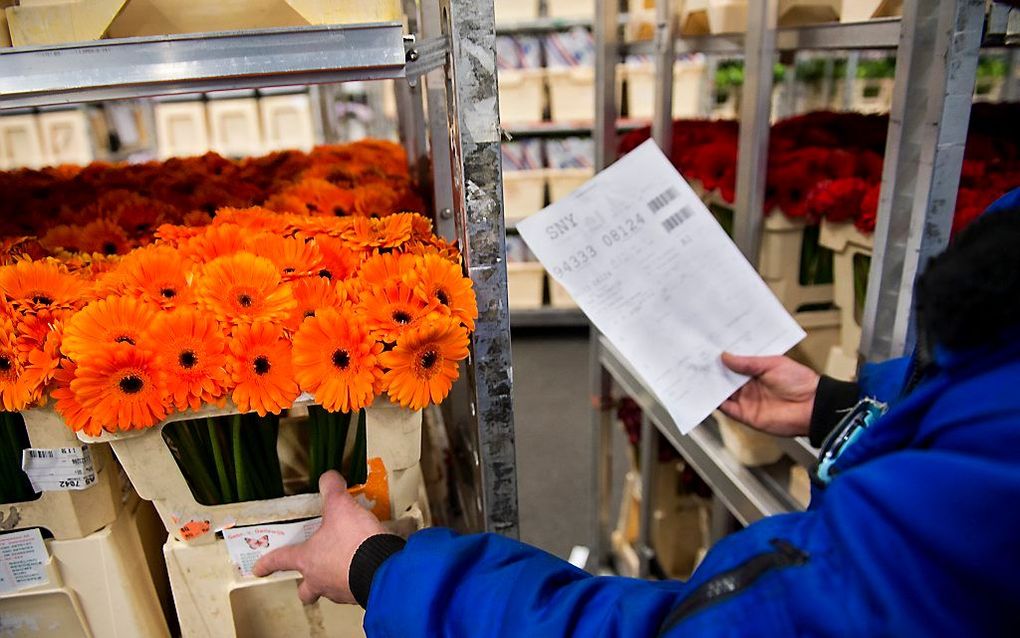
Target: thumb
<point>749,366</point>
<point>279,560</point>
<point>333,489</point>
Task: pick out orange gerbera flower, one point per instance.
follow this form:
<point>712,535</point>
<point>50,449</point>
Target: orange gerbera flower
<point>105,237</point>
<point>390,311</point>
<point>336,359</point>
<point>292,256</point>
<point>321,198</point>
<point>421,227</point>
<point>242,288</point>
<point>103,323</point>
<point>315,227</point>
<point>255,218</point>
<point>175,236</point>
<point>423,365</point>
<point>67,404</point>
<point>384,269</point>
<point>121,387</point>
<point>375,199</point>
<point>214,242</point>
<point>36,285</point>
<point>435,246</point>
<point>193,354</point>
<point>260,366</point>
<point>14,394</point>
<point>338,261</point>
<point>437,281</point>
<point>62,237</point>
<point>385,232</point>
<point>43,364</point>
<point>313,294</point>
<point>157,275</point>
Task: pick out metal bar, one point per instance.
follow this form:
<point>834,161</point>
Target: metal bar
<point>162,65</point>
<point>737,486</point>
<point>853,59</point>
<point>408,96</point>
<point>799,449</point>
<point>752,154</point>
<point>541,25</point>
<point>1011,89</point>
<point>478,212</point>
<point>649,457</point>
<point>665,59</point>
<point>548,318</point>
<point>707,100</point>
<point>607,55</point>
<point>935,71</point>
<point>602,455</point>
<point>438,128</point>
<point>873,34</point>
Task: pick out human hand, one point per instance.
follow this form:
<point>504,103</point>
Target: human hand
<point>324,560</point>
<point>779,397</point>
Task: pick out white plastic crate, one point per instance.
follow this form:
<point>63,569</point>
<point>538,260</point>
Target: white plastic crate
<point>688,76</point>
<point>20,142</point>
<point>521,95</point>
<point>700,17</point>
<point>234,129</point>
<point>800,485</point>
<point>822,328</point>
<point>74,513</point>
<point>523,193</point>
<point>571,94</point>
<point>287,122</point>
<point>841,364</point>
<point>509,11</point>
<point>564,181</point>
<point>100,586</point>
<point>846,242</point>
<point>861,10</point>
<point>779,263</point>
<point>181,129</point>
<point>393,435</point>
<point>65,137</point>
<point>747,445</point>
<point>524,281</point>
<point>214,601</point>
<point>570,8</point>
<point>870,95</point>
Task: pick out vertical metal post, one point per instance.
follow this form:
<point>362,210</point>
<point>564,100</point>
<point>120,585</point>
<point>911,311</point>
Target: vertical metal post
<point>649,457</point>
<point>410,111</point>
<point>478,212</point>
<point>849,80</point>
<point>935,69</point>
<point>1011,89</point>
<point>707,102</point>
<point>752,154</point>
<point>827,79</point>
<point>438,130</point>
<point>602,454</point>
<point>665,59</point>
<point>607,56</point>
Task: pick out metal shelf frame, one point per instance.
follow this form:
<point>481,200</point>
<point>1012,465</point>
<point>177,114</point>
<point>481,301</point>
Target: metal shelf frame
<point>447,52</point>
<point>937,45</point>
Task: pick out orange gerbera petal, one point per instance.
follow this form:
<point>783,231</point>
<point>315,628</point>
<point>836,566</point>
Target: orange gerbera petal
<point>243,288</point>
<point>292,256</point>
<point>214,242</point>
<point>384,232</point>
<point>104,237</point>
<point>423,365</point>
<point>435,280</point>
<point>313,294</point>
<point>102,323</point>
<point>35,285</point>
<point>255,218</point>
<point>390,311</point>
<point>62,237</point>
<point>336,360</point>
<point>260,366</point>
<point>175,236</point>
<point>319,197</point>
<point>157,275</point>
<point>339,262</point>
<point>121,387</point>
<point>193,354</point>
<point>375,199</point>
<point>385,269</point>
<point>14,395</point>
<point>67,405</point>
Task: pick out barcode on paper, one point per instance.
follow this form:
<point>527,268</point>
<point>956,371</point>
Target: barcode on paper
<point>663,198</point>
<point>41,454</point>
<point>677,218</point>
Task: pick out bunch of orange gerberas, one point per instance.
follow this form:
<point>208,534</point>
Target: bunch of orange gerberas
<point>256,307</point>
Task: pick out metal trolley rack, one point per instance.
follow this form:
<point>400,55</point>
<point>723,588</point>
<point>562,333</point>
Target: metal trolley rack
<point>446,52</point>
<point>937,45</point>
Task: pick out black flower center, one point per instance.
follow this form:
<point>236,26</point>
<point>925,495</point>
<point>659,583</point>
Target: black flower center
<point>42,300</point>
<point>169,293</point>
<point>261,365</point>
<point>5,363</point>
<point>132,384</point>
<point>442,297</point>
<point>401,317</point>
<point>125,339</point>
<point>429,359</point>
<point>245,300</point>
<point>309,313</point>
<point>325,273</point>
<point>288,271</point>
<point>187,359</point>
<point>110,248</point>
<point>341,359</point>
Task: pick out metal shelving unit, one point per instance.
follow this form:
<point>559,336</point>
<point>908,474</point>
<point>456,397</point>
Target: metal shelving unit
<point>447,52</point>
<point>937,46</point>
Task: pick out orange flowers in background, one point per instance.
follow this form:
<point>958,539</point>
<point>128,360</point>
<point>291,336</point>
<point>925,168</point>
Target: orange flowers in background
<point>145,310</point>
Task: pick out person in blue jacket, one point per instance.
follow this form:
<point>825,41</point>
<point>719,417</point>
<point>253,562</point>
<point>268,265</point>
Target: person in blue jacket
<point>913,527</point>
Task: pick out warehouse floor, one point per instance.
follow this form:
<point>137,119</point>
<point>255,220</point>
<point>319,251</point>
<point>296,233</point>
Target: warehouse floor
<point>554,442</point>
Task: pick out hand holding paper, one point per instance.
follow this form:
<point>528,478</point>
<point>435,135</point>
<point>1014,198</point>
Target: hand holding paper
<point>654,271</point>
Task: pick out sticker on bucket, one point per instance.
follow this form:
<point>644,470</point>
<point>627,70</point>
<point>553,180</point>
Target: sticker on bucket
<point>22,560</point>
<point>250,543</point>
<point>59,469</point>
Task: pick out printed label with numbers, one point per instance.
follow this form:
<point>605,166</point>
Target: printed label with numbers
<point>22,560</point>
<point>59,469</point>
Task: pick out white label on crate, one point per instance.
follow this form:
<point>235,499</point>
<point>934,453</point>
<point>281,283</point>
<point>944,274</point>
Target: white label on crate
<point>646,261</point>
<point>59,469</point>
<point>248,544</point>
<point>22,560</point>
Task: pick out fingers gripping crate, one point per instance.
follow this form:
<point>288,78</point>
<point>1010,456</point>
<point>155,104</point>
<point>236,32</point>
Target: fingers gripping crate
<point>99,586</point>
<point>214,601</point>
<point>780,263</point>
<point>74,513</point>
<point>393,436</point>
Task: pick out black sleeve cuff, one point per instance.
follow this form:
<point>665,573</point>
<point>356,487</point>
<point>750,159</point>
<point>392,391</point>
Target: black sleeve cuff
<point>832,399</point>
<point>371,554</point>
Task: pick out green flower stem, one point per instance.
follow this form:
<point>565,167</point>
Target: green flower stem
<point>270,432</point>
<point>331,443</point>
<point>190,457</point>
<point>358,473</point>
<point>316,445</point>
<point>226,488</point>
<point>341,422</point>
<point>244,488</point>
